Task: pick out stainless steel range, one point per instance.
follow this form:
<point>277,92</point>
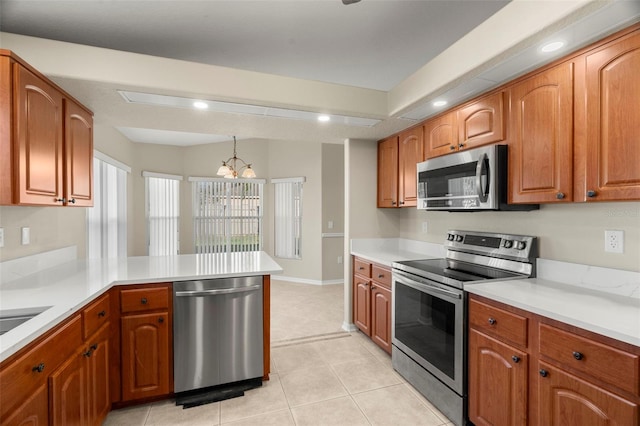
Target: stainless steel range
<point>429,315</point>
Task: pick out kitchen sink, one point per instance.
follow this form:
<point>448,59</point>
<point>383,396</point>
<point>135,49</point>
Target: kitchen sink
<point>12,318</point>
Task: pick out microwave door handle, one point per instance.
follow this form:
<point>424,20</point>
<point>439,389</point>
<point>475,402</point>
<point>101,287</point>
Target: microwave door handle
<point>480,167</point>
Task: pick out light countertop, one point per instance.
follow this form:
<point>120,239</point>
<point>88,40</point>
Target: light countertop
<point>607,314</point>
<point>67,287</point>
<point>385,251</point>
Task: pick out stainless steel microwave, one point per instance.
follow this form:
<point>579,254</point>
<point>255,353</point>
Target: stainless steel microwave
<point>467,181</point>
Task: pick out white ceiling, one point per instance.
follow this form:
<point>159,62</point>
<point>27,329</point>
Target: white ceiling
<point>344,60</point>
<point>373,44</point>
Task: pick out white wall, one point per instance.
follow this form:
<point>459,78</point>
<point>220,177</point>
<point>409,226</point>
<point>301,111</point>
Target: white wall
<point>332,211</point>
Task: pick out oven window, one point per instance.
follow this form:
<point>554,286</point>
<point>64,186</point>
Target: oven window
<point>426,324</point>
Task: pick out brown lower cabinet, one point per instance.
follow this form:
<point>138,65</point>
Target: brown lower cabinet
<point>372,301</point>
<point>547,372</point>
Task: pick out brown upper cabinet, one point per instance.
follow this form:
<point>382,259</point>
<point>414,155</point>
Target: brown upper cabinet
<point>608,122</point>
<point>46,140</point>
<point>541,133</point>
<point>398,157</point>
<point>477,123</point>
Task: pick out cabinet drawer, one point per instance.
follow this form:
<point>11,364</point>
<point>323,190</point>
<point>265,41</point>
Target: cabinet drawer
<point>22,375</point>
<point>501,324</point>
<point>381,275</point>
<point>595,359</point>
<point>94,316</point>
<point>361,267</point>
<point>144,299</point>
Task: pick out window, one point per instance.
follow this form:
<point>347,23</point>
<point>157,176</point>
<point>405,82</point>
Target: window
<point>162,194</point>
<point>288,217</point>
<point>227,215</point>
<point>107,219</point>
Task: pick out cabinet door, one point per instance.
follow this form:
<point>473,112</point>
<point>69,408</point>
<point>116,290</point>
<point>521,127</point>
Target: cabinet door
<point>541,130</point>
<point>567,400</point>
<point>68,392</point>
<point>79,155</point>
<point>481,122</point>
<point>98,376</point>
<point>145,355</point>
<point>34,411</point>
<point>409,155</point>
<point>381,317</point>
<point>39,138</point>
<point>362,304</point>
<point>440,135</point>
<point>612,127</point>
<point>497,382</point>
<point>388,172</point>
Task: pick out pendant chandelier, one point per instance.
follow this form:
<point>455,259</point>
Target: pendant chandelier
<point>230,170</point>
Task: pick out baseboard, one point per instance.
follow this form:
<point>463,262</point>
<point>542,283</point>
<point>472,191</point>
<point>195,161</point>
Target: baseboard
<point>306,280</point>
<point>350,327</point>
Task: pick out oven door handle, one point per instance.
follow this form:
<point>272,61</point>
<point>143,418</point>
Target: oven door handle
<point>425,287</point>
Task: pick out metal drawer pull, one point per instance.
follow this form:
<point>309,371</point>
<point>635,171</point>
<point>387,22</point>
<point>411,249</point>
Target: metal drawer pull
<point>515,359</point>
<point>591,193</point>
<point>160,320</point>
<point>39,368</point>
<point>361,268</point>
<point>544,373</point>
<point>578,356</point>
<point>72,200</point>
<point>102,313</point>
<point>380,275</point>
<point>143,300</point>
<point>59,200</point>
<point>492,321</point>
<point>560,195</point>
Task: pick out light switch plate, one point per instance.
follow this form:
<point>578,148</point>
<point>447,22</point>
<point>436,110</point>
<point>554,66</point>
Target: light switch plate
<point>26,236</point>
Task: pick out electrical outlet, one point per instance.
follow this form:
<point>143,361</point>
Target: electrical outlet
<point>330,224</point>
<point>424,227</point>
<point>1,237</point>
<point>614,241</point>
<point>339,260</point>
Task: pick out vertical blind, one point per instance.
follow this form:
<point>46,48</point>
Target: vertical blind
<point>162,194</point>
<point>107,219</point>
<point>288,217</point>
<point>227,215</point>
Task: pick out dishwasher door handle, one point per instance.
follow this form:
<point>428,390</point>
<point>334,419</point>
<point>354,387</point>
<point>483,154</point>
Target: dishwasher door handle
<point>197,293</point>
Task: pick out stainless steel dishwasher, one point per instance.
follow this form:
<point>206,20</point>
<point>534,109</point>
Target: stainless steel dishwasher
<point>217,332</point>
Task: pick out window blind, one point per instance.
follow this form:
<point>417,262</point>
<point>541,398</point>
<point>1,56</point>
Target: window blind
<point>162,193</point>
<point>227,215</point>
<point>288,217</point>
<point>107,219</point>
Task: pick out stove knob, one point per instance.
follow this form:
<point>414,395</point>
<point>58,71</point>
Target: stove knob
<point>508,243</point>
<point>459,238</point>
<point>520,245</point>
<point>450,237</point>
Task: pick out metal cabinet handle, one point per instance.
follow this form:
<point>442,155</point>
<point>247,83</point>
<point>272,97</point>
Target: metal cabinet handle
<point>39,368</point>
<point>361,268</point>
<point>492,321</point>
<point>143,300</point>
<point>578,356</point>
<point>401,203</point>
<point>102,313</point>
<point>544,373</point>
<point>160,320</point>
<point>373,287</point>
<point>88,353</point>
<point>452,147</point>
<point>380,275</point>
<point>461,145</point>
<point>515,359</point>
<point>591,193</point>
<point>560,195</point>
<point>93,347</point>
<point>60,200</point>
<point>393,203</point>
<point>72,200</point>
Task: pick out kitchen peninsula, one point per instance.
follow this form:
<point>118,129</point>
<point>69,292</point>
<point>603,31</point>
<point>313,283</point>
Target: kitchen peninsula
<point>87,303</point>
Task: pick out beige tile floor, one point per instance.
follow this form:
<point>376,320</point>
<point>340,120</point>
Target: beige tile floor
<point>320,375</point>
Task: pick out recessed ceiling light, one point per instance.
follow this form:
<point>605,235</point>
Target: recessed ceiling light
<point>439,103</point>
<point>552,47</point>
<point>324,118</point>
<point>200,105</point>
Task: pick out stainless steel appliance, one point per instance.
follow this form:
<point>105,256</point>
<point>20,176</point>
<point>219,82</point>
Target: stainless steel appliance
<point>469,180</point>
<point>217,332</point>
<point>429,315</point>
